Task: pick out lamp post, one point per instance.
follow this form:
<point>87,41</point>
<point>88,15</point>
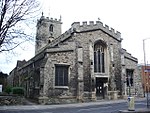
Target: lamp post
<point>147,82</point>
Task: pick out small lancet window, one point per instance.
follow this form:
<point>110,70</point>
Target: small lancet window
<point>51,28</point>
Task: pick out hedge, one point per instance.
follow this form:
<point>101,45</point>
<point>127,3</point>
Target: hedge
<point>18,90</point>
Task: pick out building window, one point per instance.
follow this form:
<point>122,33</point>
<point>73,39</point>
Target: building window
<point>112,52</point>
<point>51,28</point>
<point>61,75</point>
<point>99,58</point>
<point>129,77</point>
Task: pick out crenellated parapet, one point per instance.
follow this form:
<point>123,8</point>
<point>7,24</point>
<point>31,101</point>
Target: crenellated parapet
<point>77,27</point>
<point>85,26</point>
<point>47,19</point>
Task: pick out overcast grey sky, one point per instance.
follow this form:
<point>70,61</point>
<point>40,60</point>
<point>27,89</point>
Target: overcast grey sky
<point>130,17</point>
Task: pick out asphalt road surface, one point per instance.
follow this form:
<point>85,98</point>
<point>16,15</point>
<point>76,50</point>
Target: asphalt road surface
<point>79,108</point>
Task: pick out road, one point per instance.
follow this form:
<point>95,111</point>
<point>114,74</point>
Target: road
<point>97,107</point>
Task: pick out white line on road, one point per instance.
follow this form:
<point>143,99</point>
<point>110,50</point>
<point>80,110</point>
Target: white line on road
<point>90,109</point>
<point>47,112</point>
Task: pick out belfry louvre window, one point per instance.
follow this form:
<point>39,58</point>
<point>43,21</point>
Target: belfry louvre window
<point>61,75</point>
<point>99,64</point>
<point>51,28</point>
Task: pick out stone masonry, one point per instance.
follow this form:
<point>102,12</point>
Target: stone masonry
<point>87,60</point>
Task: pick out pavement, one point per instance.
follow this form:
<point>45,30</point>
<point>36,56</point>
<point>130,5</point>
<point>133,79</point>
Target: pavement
<point>32,106</point>
<point>136,111</point>
<point>29,102</point>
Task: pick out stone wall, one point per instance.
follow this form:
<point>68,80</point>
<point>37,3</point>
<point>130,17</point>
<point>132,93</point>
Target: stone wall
<point>11,100</point>
<point>130,62</point>
<point>84,39</point>
<point>65,58</point>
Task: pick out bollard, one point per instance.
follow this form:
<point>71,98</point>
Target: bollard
<point>131,104</point>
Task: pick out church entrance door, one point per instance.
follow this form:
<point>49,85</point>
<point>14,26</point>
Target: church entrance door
<point>100,89</point>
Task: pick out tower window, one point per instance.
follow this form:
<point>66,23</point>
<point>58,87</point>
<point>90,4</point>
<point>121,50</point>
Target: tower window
<point>51,28</point>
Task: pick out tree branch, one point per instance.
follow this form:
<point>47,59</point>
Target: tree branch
<point>13,12</point>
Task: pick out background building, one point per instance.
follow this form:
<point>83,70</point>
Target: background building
<point>145,75</point>
<point>3,80</point>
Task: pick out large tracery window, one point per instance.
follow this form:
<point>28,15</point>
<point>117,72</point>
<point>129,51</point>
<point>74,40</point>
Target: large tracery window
<point>99,58</point>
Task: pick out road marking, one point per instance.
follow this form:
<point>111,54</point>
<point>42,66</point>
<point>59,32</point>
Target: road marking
<point>90,109</point>
<point>47,112</point>
<point>141,103</point>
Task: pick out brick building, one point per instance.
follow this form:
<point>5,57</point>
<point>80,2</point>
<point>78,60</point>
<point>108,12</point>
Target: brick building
<point>145,75</point>
<point>85,63</point>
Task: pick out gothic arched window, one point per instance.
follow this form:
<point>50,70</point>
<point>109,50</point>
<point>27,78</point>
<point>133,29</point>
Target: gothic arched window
<point>51,28</point>
<point>99,57</point>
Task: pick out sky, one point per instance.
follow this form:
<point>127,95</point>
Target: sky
<point>130,17</point>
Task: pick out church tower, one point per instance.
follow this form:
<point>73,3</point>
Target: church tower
<point>47,30</point>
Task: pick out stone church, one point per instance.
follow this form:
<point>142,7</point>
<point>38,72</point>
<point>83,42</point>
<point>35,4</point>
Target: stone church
<point>85,63</point>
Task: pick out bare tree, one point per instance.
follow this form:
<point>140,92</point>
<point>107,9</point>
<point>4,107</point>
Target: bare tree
<point>13,16</point>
